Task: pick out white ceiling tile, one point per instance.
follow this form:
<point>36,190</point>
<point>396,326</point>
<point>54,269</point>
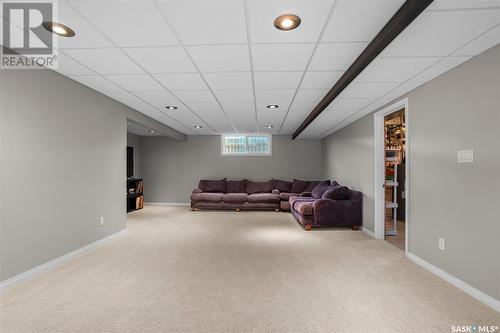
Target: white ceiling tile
<point>135,82</point>
<point>162,59</point>
<point>269,96</point>
<point>462,4</point>
<point>86,36</point>
<point>263,13</point>
<point>297,113</point>
<point>128,23</point>
<point>234,80</point>
<point>160,99</point>
<point>96,82</point>
<point>400,91</point>
<point>182,81</point>
<point>326,120</point>
<point>367,90</point>
<point>213,115</point>
<point>481,44</point>
<point>130,100</point>
<point>359,21</point>
<point>281,57</point>
<point>440,33</point>
<point>242,114</point>
<point>322,79</point>
<point>349,104</point>
<point>68,66</point>
<point>221,58</point>
<point>105,61</point>
<point>439,68</point>
<point>234,95</point>
<point>195,96</point>
<point>395,69</point>
<point>207,22</point>
<point>336,56</point>
<point>310,95</point>
<point>277,80</point>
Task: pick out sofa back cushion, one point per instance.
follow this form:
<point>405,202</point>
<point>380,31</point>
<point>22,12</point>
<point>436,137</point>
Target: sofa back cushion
<point>260,187</point>
<point>236,186</point>
<point>299,186</point>
<point>337,192</point>
<point>312,184</point>
<point>217,185</point>
<point>318,191</point>
<point>284,185</point>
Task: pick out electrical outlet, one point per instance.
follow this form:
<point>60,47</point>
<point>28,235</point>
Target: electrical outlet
<point>465,156</point>
<point>442,244</point>
<point>101,221</point>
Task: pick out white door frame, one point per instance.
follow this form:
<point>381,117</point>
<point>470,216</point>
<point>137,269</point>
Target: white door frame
<point>379,152</point>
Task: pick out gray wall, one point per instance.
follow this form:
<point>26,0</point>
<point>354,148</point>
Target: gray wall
<point>460,202</point>
<point>348,159</point>
<point>63,166</point>
<point>172,169</point>
<point>135,141</point>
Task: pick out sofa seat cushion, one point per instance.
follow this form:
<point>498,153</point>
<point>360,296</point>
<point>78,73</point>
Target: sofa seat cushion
<point>293,199</point>
<point>285,196</point>
<point>207,197</point>
<point>304,208</point>
<point>235,197</point>
<point>263,198</point>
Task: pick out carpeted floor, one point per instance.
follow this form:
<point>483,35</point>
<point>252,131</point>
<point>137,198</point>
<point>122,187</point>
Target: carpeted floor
<point>183,271</point>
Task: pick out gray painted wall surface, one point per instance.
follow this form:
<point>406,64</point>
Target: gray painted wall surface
<point>348,158</point>
<point>460,202</point>
<point>172,169</point>
<point>63,166</point>
<point>136,142</point>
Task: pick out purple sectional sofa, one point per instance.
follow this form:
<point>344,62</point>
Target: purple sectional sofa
<point>312,203</point>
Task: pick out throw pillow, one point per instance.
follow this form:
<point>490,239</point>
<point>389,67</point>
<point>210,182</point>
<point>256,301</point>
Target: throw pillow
<point>284,185</point>
<point>315,183</point>
<point>208,185</point>
<point>299,186</point>
<point>320,189</point>
<point>236,186</point>
<point>337,192</point>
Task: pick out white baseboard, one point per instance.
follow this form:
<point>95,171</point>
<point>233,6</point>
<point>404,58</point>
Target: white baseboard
<point>368,232</point>
<point>479,295</point>
<point>6,284</point>
<point>168,203</point>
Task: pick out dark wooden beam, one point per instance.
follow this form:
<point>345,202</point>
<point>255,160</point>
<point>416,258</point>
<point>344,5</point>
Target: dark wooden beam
<point>403,17</point>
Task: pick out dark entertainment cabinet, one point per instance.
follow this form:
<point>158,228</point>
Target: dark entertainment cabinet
<point>135,197</point>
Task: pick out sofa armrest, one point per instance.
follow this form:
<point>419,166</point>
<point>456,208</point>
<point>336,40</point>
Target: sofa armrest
<point>306,194</point>
<point>275,191</point>
<point>340,213</point>
<point>197,190</point>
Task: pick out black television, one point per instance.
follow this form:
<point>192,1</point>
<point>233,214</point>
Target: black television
<point>130,162</point>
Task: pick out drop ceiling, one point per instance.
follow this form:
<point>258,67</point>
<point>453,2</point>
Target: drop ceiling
<point>222,62</point>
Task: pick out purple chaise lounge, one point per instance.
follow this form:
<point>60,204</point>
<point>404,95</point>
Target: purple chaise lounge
<point>328,206</point>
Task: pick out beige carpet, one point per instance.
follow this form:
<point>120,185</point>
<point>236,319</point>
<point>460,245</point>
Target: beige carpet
<point>182,271</point>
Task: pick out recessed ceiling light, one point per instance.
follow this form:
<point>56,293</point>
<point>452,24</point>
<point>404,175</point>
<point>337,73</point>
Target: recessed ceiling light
<point>272,106</point>
<point>59,29</point>
<point>287,22</point>
<point>269,126</point>
<point>151,131</point>
<point>197,126</point>
<point>171,107</point>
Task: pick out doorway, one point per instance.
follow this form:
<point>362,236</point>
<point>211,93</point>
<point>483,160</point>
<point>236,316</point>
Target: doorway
<point>391,174</point>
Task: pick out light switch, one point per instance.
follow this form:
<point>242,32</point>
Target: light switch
<point>465,156</point>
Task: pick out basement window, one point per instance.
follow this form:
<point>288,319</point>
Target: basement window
<point>246,145</point>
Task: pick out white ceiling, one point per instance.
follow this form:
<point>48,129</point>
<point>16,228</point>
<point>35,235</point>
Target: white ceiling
<point>222,62</point>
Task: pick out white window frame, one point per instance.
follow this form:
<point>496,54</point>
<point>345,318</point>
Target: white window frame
<point>269,138</point>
